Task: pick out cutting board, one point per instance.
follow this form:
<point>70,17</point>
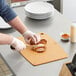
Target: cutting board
<point>53,52</point>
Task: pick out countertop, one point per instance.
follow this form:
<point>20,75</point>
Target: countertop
<point>53,27</point>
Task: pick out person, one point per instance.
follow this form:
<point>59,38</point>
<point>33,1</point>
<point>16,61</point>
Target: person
<point>7,13</point>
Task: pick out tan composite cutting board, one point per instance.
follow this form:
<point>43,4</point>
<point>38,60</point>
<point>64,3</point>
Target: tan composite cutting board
<point>53,52</point>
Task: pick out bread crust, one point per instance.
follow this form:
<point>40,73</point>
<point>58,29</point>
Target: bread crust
<point>40,46</point>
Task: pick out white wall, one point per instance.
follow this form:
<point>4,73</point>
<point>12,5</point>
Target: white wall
<point>69,9</point>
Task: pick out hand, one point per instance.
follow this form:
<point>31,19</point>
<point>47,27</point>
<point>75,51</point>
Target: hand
<point>17,44</point>
<point>30,36</point>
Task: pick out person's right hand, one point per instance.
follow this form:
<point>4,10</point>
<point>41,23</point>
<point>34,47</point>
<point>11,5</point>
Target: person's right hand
<point>30,37</point>
<point>17,44</point>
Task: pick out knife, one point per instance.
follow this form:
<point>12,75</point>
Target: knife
<point>12,47</point>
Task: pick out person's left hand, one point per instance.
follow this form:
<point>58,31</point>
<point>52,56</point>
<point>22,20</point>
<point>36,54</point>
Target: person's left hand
<point>31,37</point>
<point>17,44</point>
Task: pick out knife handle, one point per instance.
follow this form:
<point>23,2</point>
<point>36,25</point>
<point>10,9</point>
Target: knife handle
<point>12,47</point>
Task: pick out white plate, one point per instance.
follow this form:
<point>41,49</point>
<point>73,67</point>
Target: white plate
<point>3,24</point>
<point>39,10</point>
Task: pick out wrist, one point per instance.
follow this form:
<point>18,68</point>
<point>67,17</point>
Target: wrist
<point>10,40</point>
<point>26,32</point>
<point>13,41</point>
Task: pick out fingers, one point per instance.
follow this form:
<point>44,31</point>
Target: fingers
<point>31,41</point>
<point>20,48</point>
<point>37,37</point>
<point>28,41</point>
<point>17,48</point>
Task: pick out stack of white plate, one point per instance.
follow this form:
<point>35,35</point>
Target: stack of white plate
<point>3,24</point>
<point>39,10</point>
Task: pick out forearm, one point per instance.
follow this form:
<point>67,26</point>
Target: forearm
<point>5,39</point>
<point>18,25</point>
<point>10,40</point>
